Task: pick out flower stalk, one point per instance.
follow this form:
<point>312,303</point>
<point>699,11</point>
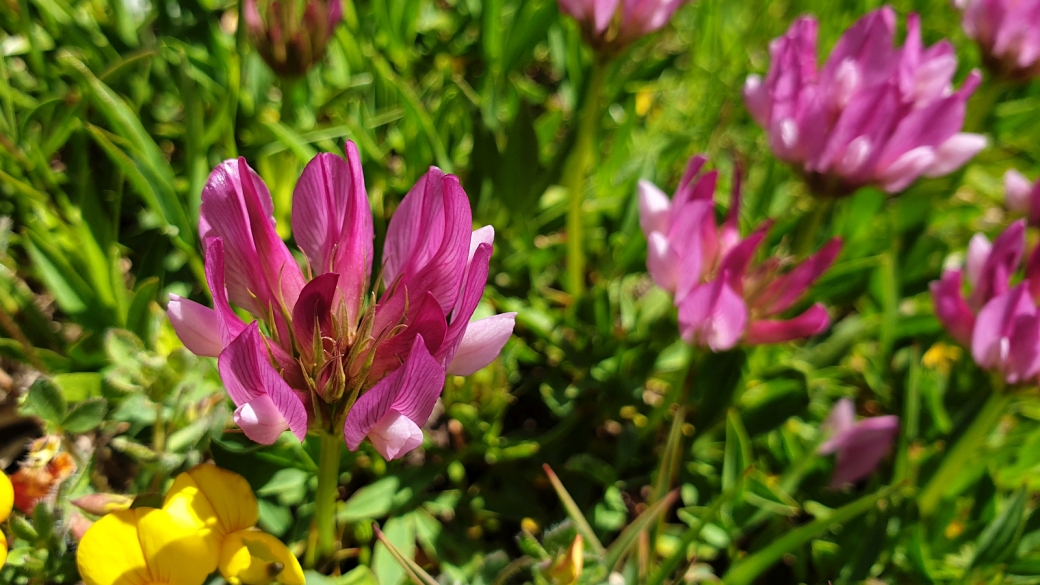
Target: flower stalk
<point>575,171</point>
<point>325,498</point>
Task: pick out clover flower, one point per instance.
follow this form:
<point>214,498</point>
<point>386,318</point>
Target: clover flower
<point>324,350</point>
<point>723,298</point>
<point>1008,32</point>
<point>1022,196</point>
<point>613,24</point>
<point>860,446</point>
<point>998,321</point>
<point>288,39</point>
<point>875,114</point>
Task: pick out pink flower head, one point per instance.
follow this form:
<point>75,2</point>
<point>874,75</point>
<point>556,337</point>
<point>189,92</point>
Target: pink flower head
<point>1008,32</point>
<point>321,346</point>
<point>290,41</point>
<point>875,114</point>
<point>1021,196</point>
<point>612,24</point>
<point>860,445</point>
<point>998,321</point>
<point>723,298</point>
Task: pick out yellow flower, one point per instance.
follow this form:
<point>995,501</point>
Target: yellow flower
<point>221,507</point>
<point>568,566</point>
<point>6,497</point>
<point>143,546</point>
<point>252,557</point>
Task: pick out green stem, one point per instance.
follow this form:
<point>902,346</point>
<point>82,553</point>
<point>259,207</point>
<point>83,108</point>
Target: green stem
<point>325,498</point>
<point>805,238</point>
<point>574,172</point>
<point>967,447</point>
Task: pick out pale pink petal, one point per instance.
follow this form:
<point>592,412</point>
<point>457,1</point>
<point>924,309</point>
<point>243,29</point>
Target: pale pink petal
<point>654,207</point>
<point>395,435</point>
<point>906,169</point>
<point>662,263</point>
<point>955,152</point>
<point>713,315</point>
<point>469,297</point>
<point>1002,261</point>
<point>230,324</point>
<point>481,343</point>
<point>839,422</point>
<point>260,420</point>
<point>979,248</point>
<point>197,326</point>
<point>484,235</point>
<point>994,328</point>
<point>1017,191</point>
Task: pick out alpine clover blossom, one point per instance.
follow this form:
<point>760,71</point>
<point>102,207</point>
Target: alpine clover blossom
<point>290,37</point>
<point>860,446</point>
<point>323,352</point>
<point>1008,32</point>
<point>998,321</point>
<point>722,298</point>
<point>613,24</point>
<point>874,115</point>
<point>1022,196</point>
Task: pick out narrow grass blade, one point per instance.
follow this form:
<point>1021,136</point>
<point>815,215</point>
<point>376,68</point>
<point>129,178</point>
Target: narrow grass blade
<point>574,512</point>
<point>415,572</point>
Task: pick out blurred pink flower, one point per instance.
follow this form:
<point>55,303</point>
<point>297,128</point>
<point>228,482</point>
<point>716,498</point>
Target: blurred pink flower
<point>1008,32</point>
<point>326,343</point>
<point>1021,196</point>
<point>722,298</point>
<point>860,445</point>
<point>1000,323</point>
<point>288,39</point>
<point>874,114</point>
<point>616,23</point>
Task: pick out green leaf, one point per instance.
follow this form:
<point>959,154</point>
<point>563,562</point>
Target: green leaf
<point>79,385</point>
<point>717,378</point>
<point>997,541</point>
<point>392,558</point>
<point>86,415</point>
<point>288,485</point>
<point>737,455</point>
<point>46,401</point>
<point>137,317</point>
<point>370,502</point>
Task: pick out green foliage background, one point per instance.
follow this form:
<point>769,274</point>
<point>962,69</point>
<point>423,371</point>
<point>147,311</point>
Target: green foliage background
<point>114,112</point>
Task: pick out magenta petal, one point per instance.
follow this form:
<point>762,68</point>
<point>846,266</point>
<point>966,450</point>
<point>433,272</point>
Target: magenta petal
<point>481,343</point>
<point>197,326</point>
<point>951,309</point>
<point>411,391</point>
<point>469,297</point>
<point>247,375</point>
<point>230,324</point>
<point>863,447</point>
<point>314,308</point>
<point>953,153</point>
<point>261,274</point>
<point>332,223</point>
<point>1003,260</point>
<point>979,249</point>
<point>812,322</point>
<point>662,262</point>
<point>1017,191</point>
<point>428,239</point>
<point>713,315</point>
<point>785,290</point>
<point>994,328</point>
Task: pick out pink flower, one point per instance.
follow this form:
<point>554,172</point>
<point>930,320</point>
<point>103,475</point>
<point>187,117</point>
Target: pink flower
<point>1008,32</point>
<point>874,114</point>
<point>612,24</point>
<point>722,298</point>
<point>328,350</point>
<point>1021,196</point>
<point>860,445</point>
<point>1000,323</point>
<point>288,41</point>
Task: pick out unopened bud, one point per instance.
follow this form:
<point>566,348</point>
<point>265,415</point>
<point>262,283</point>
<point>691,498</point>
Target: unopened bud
<point>101,504</point>
<point>289,39</point>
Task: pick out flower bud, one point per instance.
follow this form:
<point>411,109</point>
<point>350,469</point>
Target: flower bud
<point>289,37</point>
<point>101,504</point>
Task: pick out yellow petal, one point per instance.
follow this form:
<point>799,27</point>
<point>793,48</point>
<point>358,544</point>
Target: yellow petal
<point>173,550</point>
<point>216,500</point>
<point>3,549</point>
<point>110,552</point>
<point>252,557</point>
<point>6,497</point>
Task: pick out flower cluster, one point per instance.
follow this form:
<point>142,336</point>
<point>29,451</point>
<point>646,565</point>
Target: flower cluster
<point>997,320</point>
<point>288,41</point>
<point>860,446</point>
<point>1008,32</point>
<point>1022,196</point>
<point>723,298</point>
<point>207,522</point>
<point>875,114</point>
<point>613,24</point>
<point>329,355</point>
